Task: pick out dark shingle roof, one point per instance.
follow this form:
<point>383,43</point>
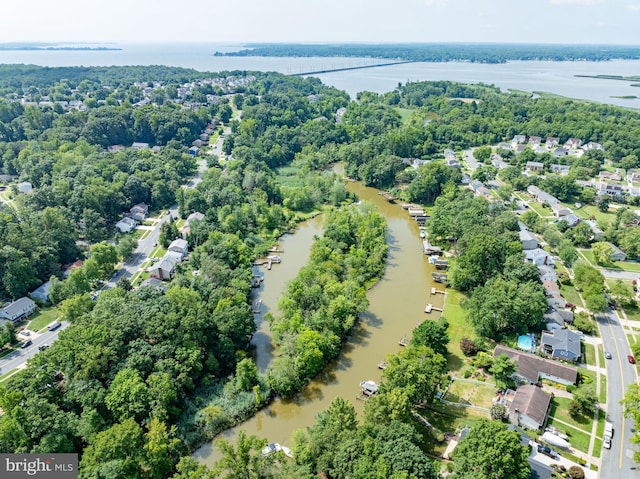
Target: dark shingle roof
<point>530,366</point>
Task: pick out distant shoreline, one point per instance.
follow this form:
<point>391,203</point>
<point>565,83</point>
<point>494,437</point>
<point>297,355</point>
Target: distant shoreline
<point>54,49</point>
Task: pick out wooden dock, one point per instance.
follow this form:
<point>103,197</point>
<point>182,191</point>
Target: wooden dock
<point>430,307</point>
<point>404,341</point>
<point>275,249</point>
<point>262,262</point>
<point>388,196</point>
<point>437,291</point>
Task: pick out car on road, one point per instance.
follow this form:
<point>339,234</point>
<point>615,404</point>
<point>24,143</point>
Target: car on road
<point>42,347</point>
<point>606,442</point>
<point>631,359</point>
<point>26,344</point>
<point>607,355</point>
<point>547,451</point>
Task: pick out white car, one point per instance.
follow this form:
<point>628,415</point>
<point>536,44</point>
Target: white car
<point>606,442</point>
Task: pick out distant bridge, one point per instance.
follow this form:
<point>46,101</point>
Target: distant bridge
<point>331,70</point>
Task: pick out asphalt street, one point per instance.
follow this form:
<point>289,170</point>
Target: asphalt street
<point>18,358</point>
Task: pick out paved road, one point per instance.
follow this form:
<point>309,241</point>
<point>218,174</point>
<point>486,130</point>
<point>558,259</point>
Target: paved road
<point>18,358</point>
<point>617,462</point>
<point>617,274</point>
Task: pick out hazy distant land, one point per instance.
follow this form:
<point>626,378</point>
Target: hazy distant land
<point>30,46</point>
<point>444,52</point>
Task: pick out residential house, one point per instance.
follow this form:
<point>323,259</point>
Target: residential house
<point>139,212</point>
<point>179,246</point>
<point>193,151</point>
<point>592,145</point>
<point>530,407</point>
<point>550,287</point>
<point>139,146</point>
<point>186,228</point>
<point>539,257</point>
<point>163,269</point>
<point>198,142</point>
<point>561,344</point>
<point>562,170</point>
<point>547,272</point>
<point>339,114</point>
<point>610,189</point>
<point>552,141</point>
<point>204,137</point>
<point>573,143</point>
<point>499,163</point>
<point>505,146</point>
<point>618,254</point>
<point>598,234</point>
<point>448,154</point>
<point>466,179</point>
<point>522,226</point>
<point>126,224</point>
<point>534,166</point>
<point>535,141</point>
<point>533,368</point>
<point>115,148</point>
<point>528,239</point>
<point>609,176</point>
<point>25,187</point>
<point>560,210</point>
<point>518,139</point>
<point>560,152</point>
<point>452,162</point>
<point>155,283</point>
<point>633,176</point>
<point>18,310</point>
<point>571,219</point>
<point>533,190</point>
<point>557,317</point>
<point>41,293</point>
<point>555,300</point>
<point>520,148</point>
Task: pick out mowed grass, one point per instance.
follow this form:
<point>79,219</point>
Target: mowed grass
<point>602,397</point>
<point>405,114</point>
<point>560,410</point>
<point>447,419</point>
<point>458,328</point>
<point>474,393</point>
<point>592,212</point>
<point>42,317</point>
<point>578,439</point>
<point>570,294</point>
<point>589,354</point>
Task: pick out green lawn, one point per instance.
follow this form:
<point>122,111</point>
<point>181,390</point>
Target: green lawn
<point>537,207</point>
<point>570,294</point>
<point>448,419</point>
<point>587,377</point>
<point>475,393</point>
<point>601,420</point>
<point>597,448</point>
<point>405,114</point>
<point>578,439</point>
<point>589,354</point>
<point>621,265</point>
<point>633,314</point>
<point>560,410</point>
<point>458,328</point>
<point>601,355</point>
<point>591,211</point>
<point>603,389</point>
<point>42,317</point>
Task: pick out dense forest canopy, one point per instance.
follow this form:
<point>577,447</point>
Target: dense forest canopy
<point>445,52</point>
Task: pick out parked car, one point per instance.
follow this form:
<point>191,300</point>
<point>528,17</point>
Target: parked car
<point>26,344</point>
<point>547,451</point>
<point>631,359</point>
<point>606,442</point>
<point>42,347</point>
<point>607,355</point>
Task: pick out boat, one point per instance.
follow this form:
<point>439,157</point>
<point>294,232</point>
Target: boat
<point>274,447</point>
<point>257,306</point>
<point>432,259</point>
<point>423,234</point>
<point>274,258</point>
<point>554,440</point>
<point>368,388</point>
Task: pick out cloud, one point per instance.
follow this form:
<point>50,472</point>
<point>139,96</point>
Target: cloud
<point>634,7</point>
<point>435,3</point>
<point>575,2</point>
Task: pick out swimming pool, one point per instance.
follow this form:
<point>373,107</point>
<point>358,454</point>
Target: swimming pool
<point>527,342</point>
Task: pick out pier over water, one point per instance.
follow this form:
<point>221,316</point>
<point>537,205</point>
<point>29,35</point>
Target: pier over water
<point>342,69</point>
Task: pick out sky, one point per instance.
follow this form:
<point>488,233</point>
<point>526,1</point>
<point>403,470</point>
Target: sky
<point>240,21</point>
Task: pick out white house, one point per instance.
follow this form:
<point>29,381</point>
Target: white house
<point>17,310</point>
<point>560,210</point>
<point>528,240</point>
<point>179,246</point>
<point>538,257</point>
<point>126,224</point>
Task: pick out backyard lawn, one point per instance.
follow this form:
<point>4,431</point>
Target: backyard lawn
<point>578,439</point>
<point>591,211</point>
<point>458,328</point>
<point>570,294</point>
<point>537,207</point>
<point>560,410</point>
<point>42,317</point>
<point>475,393</point>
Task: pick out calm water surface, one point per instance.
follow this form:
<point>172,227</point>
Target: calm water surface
<point>554,77</point>
<point>396,304</point>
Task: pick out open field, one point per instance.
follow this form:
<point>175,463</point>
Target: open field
<point>592,212</point>
<point>475,393</point>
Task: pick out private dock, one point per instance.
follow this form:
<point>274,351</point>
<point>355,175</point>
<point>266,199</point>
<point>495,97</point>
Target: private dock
<point>275,249</point>
<point>439,277</point>
<point>383,364</point>
<point>430,307</point>
<point>388,196</point>
<point>367,389</point>
<point>437,291</point>
<point>404,341</point>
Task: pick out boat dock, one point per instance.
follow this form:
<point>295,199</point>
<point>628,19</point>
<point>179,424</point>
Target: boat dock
<point>367,389</point>
<point>262,262</point>
<point>437,291</point>
<point>388,196</point>
<point>404,341</point>
<point>383,364</point>
<point>430,307</point>
<point>275,249</point>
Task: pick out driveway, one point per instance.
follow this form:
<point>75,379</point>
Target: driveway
<point>588,473</point>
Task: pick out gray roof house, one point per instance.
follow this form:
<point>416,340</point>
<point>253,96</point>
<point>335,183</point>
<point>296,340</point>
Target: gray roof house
<point>533,368</point>
<point>18,309</point>
<point>618,254</point>
<point>547,272</point>
<point>560,210</point>
<point>179,246</point>
<point>165,268</point>
<point>562,170</point>
<point>126,224</point>
<point>529,407</point>
<point>533,190</point>
<point>544,197</point>
<point>41,293</point>
<point>538,257</point>
<point>561,344</point>
<point>534,166</point>
<point>528,240</point>
<point>558,316</point>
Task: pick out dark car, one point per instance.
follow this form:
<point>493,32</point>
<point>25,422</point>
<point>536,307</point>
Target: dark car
<point>547,451</point>
<point>42,347</point>
<point>26,344</point>
<point>631,359</point>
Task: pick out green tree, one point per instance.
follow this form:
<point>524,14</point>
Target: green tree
<point>128,395</point>
<point>432,334</point>
<point>491,451</point>
<point>502,370</point>
<point>246,375</point>
<point>482,153</point>
<point>602,252</point>
<point>585,397</point>
<point>603,204</point>
<point>106,257</point>
<point>160,449</point>
<point>125,247</point>
<point>244,461</point>
<point>498,412</point>
<point>567,252</point>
